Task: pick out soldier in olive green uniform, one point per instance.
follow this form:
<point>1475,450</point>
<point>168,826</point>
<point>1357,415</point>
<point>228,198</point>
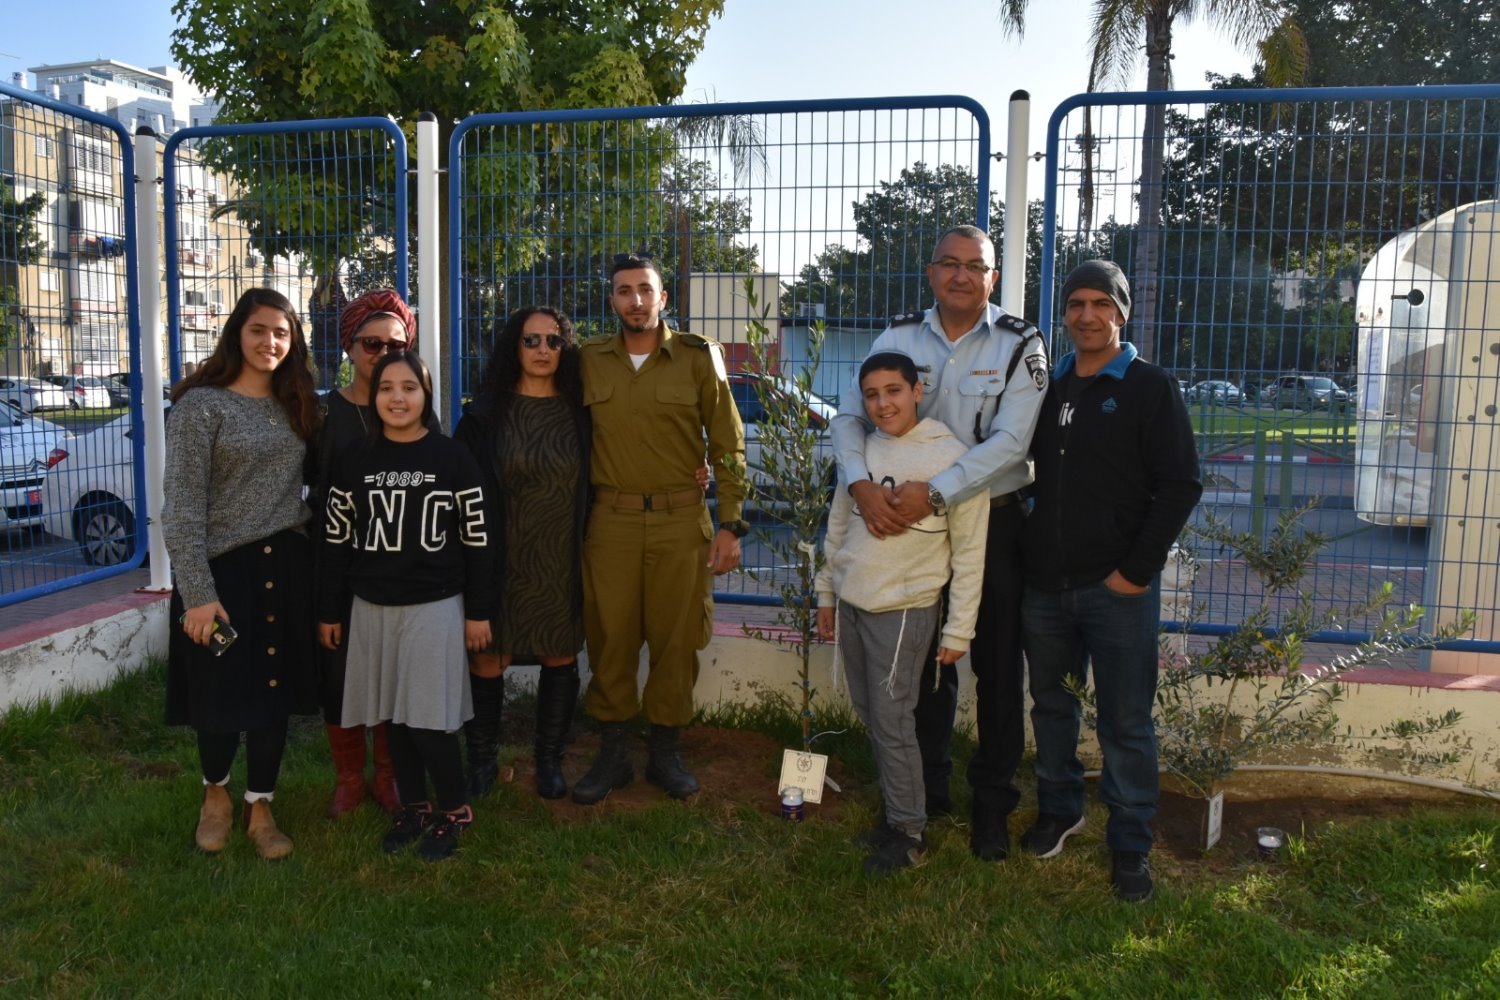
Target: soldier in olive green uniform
<point>659,399</point>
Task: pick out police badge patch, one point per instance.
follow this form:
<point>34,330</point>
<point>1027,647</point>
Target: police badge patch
<point>1036,365</point>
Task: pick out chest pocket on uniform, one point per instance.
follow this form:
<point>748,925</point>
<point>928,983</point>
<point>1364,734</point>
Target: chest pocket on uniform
<point>981,397</point>
<point>981,385</point>
<point>677,394</point>
<point>597,391</point>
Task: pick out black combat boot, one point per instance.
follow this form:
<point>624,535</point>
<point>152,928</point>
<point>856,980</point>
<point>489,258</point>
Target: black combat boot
<point>482,732</point>
<point>665,767</point>
<point>612,768</point>
<point>556,695</point>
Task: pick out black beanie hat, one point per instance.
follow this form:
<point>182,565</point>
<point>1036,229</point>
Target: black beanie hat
<point>1102,276</point>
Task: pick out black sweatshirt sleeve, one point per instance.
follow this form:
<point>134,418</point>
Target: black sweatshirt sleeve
<point>1174,482</point>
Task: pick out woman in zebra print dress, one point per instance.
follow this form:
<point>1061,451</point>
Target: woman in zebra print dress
<point>529,429</point>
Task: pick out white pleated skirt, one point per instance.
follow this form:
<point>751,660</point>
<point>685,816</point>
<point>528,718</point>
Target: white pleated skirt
<point>407,665</point>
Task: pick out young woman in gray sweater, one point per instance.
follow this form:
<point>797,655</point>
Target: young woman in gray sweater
<point>234,523</point>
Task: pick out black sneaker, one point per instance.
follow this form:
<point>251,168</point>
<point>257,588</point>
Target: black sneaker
<point>442,837</point>
<point>899,851</point>
<point>1131,876</point>
<point>1047,835</point>
<point>407,828</point>
<point>876,835</point>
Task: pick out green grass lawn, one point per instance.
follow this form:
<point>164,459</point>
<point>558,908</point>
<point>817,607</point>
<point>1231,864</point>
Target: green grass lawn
<point>1235,421</point>
<point>102,895</point>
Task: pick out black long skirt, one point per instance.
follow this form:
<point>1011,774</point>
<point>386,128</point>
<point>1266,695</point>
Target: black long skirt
<point>270,673</point>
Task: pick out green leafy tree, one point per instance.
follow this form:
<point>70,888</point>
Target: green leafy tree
<point>20,243</point>
<point>328,200</point>
<point>897,225</point>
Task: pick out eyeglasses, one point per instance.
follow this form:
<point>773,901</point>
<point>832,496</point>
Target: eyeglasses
<point>950,267</point>
<point>555,341</point>
<point>374,345</point>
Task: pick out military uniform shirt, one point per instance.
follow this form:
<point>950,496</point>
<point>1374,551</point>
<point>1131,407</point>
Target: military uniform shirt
<point>650,425</point>
<point>964,386</point>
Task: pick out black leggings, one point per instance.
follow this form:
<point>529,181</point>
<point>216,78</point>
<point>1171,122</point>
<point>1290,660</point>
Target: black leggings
<point>416,753</point>
<point>263,750</point>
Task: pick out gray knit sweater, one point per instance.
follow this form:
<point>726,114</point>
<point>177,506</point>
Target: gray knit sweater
<point>234,475</point>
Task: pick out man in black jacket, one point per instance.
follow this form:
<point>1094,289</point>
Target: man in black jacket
<point>1116,479</point>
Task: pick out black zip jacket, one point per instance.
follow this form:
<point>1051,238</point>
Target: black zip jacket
<point>1116,475</point>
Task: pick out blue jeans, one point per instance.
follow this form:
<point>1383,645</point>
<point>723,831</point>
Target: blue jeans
<point>1063,632</point>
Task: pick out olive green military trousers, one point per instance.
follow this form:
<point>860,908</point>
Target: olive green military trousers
<point>645,580</point>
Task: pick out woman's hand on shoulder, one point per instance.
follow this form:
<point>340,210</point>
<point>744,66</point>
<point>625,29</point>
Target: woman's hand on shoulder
<point>476,635</point>
<point>198,622</point>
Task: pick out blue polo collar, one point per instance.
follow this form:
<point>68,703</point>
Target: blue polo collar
<point>1115,369</point>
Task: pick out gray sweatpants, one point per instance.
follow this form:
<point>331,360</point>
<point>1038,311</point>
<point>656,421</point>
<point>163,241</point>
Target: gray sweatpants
<point>882,653</point>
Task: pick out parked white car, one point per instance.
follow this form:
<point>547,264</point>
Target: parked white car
<point>31,394</point>
<point>29,446</point>
<point>84,392</point>
<point>90,496</point>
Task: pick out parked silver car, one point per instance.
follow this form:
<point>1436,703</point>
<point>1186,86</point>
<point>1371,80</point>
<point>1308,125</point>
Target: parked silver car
<point>1216,391</point>
<point>89,495</point>
<point>1307,392</point>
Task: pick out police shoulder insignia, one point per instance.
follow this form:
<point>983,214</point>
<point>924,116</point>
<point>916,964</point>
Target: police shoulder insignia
<point>1014,323</point>
<point>598,339</point>
<point>906,319</point>
<point>1036,367</point>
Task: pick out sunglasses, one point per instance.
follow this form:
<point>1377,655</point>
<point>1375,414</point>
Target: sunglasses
<point>555,341</point>
<point>374,345</point>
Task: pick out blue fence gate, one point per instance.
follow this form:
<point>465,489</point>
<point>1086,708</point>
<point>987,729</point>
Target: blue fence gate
<point>69,340</point>
<point>830,208</point>
<point>317,210</point>
<point>1317,268</point>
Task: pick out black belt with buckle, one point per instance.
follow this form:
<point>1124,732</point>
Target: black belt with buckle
<point>649,501</point>
<point>1006,499</point>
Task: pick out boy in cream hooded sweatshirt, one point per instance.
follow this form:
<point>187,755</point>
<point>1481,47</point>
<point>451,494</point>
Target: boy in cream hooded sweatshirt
<point>881,599</point>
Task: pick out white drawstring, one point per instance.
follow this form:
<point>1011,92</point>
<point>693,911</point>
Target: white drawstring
<point>890,680</point>
<point>835,668</point>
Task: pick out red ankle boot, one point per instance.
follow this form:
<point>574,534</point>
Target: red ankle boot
<point>347,745</point>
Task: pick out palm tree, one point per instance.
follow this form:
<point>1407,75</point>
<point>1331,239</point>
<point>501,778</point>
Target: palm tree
<point>742,138</point>
<point>1122,29</point>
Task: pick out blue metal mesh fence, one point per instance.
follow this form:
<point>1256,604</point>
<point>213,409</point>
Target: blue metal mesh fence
<point>830,208</point>
<point>316,210</point>
<point>1317,267</point>
<point>68,338</point>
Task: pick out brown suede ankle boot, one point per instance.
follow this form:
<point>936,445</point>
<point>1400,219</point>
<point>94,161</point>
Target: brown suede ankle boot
<point>260,826</point>
<point>214,819</point>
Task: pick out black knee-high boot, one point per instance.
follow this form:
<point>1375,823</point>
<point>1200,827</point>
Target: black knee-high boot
<point>556,696</point>
<point>483,732</point>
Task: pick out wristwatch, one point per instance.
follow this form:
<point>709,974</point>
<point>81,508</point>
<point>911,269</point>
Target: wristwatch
<point>939,505</point>
<point>739,529</point>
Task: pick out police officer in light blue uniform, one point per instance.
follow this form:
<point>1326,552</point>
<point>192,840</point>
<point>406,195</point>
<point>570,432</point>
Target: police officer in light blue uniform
<point>984,375</point>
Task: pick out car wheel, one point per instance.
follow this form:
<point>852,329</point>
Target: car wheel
<point>105,531</point>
